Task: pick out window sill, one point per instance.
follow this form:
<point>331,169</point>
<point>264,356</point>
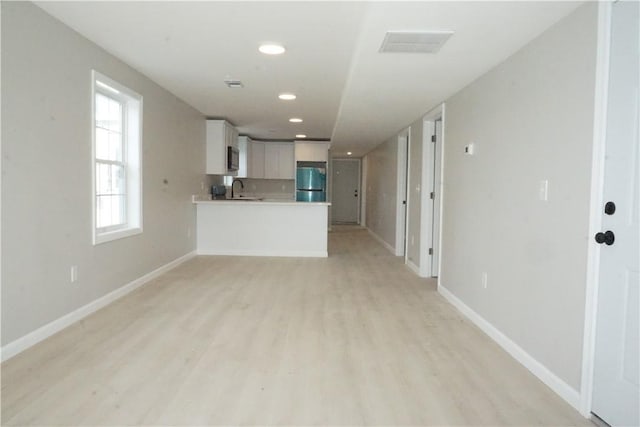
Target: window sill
<point>115,235</point>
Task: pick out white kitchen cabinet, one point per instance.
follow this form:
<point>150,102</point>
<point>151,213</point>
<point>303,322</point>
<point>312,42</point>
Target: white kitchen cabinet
<point>255,159</point>
<point>279,160</point>
<point>243,158</point>
<point>220,135</point>
<point>286,162</point>
<point>308,151</point>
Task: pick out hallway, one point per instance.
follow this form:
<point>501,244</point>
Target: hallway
<point>354,339</point>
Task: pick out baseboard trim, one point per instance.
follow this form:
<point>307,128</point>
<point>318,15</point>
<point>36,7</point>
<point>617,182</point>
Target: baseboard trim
<point>414,268</point>
<point>381,240</point>
<point>266,253</point>
<point>560,387</point>
<point>32,338</point>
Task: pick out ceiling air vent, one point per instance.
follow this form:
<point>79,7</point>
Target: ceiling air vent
<point>414,42</point>
<point>234,84</point>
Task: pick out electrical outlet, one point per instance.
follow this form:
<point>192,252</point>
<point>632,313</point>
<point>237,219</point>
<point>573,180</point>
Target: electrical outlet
<point>484,280</point>
<point>412,237</point>
<point>74,273</point>
<point>202,185</point>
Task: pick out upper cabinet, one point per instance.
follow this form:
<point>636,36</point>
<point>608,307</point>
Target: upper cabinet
<point>309,151</point>
<point>244,142</point>
<point>279,160</point>
<point>220,136</point>
<point>270,160</point>
<point>255,159</point>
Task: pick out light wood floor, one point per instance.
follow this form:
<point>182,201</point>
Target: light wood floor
<point>350,340</point>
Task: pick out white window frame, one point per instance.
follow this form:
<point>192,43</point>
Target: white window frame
<point>132,157</point>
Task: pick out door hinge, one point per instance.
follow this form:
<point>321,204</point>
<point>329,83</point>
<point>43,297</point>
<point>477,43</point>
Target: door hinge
<point>404,202</point>
<point>430,251</point>
<point>433,138</point>
<point>432,195</point>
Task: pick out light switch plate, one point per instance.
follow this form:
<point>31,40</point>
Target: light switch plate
<point>469,149</point>
<point>543,190</point>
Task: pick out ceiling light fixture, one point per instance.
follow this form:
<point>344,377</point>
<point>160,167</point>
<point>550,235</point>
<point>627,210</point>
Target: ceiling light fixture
<point>301,136</point>
<point>349,153</point>
<point>271,49</point>
<point>287,96</point>
<point>295,120</point>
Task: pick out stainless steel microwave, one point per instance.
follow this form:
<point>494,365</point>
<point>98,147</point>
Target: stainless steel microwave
<point>233,159</point>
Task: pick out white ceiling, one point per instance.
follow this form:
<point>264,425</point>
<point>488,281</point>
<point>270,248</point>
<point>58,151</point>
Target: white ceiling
<point>347,91</point>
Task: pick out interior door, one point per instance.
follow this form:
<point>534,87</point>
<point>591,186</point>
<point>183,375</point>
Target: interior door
<point>616,376</point>
<point>345,199</point>
<point>401,211</point>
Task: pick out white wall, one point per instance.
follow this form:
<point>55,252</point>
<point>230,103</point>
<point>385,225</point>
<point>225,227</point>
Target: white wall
<point>46,166</point>
<point>381,192</point>
<point>531,119</point>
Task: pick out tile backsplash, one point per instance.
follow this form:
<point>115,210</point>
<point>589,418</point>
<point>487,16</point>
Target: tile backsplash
<point>271,188</point>
<point>266,188</point>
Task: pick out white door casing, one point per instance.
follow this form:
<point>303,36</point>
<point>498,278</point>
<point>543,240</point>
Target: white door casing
<point>437,197</point>
<point>431,209</point>
<point>616,373</point>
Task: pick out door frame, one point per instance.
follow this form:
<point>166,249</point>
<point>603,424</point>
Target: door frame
<point>359,204</point>
<point>595,206</point>
<point>426,204</point>
<point>364,167</point>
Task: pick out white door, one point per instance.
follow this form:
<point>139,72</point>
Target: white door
<point>616,380</point>
<point>401,191</point>
<point>345,197</point>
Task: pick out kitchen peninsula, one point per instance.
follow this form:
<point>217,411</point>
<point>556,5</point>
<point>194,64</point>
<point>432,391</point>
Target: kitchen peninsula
<point>262,228</point>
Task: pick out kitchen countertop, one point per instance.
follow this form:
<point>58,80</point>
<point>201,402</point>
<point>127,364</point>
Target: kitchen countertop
<point>253,202</point>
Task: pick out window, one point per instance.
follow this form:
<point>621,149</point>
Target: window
<point>117,138</point>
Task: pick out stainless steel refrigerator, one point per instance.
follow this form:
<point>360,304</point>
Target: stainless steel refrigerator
<point>311,182</point>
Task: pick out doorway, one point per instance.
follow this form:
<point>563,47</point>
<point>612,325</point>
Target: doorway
<point>345,183</point>
<point>616,355</point>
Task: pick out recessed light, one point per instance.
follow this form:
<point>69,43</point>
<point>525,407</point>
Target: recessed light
<point>301,136</point>
<point>287,96</point>
<point>349,153</point>
<point>295,120</point>
<point>271,49</point>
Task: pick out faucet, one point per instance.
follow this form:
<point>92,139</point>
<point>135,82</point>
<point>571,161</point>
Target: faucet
<point>233,182</point>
